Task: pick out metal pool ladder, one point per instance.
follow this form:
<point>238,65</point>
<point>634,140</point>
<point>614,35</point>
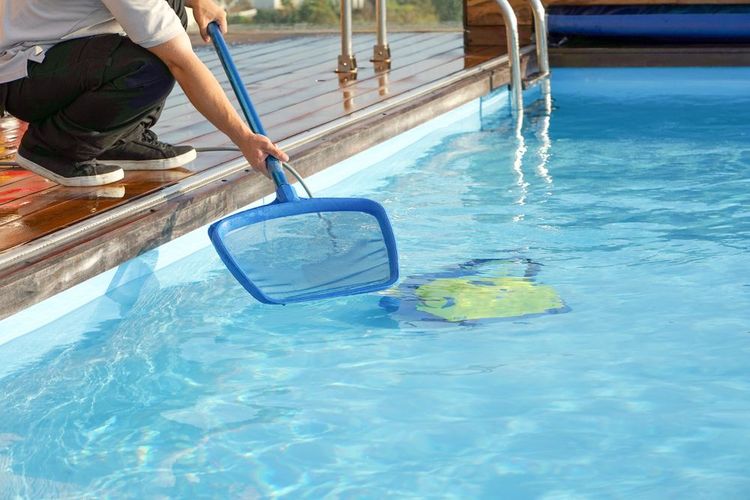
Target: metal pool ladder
<point>517,84</point>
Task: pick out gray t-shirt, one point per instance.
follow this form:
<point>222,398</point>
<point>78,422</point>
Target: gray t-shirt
<point>28,28</point>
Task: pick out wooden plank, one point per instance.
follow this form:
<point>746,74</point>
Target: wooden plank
<point>287,120</point>
<point>326,108</point>
<point>287,123</point>
<point>20,183</point>
<point>296,89</point>
<point>292,85</point>
<point>487,13</point>
<point>289,57</point>
<point>314,53</point>
<point>307,101</point>
<point>479,55</point>
<point>255,78</point>
<point>485,27</point>
<point>11,175</point>
<point>287,51</point>
<point>301,51</point>
<point>270,89</point>
<point>484,36</point>
<point>61,206</point>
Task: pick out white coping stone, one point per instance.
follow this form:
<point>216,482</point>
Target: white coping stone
<point>57,306</point>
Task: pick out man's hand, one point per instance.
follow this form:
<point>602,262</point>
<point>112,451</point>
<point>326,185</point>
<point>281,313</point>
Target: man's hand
<point>256,148</point>
<point>206,11</point>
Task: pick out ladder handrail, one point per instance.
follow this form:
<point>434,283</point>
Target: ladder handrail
<point>511,33</point>
<point>540,31</point>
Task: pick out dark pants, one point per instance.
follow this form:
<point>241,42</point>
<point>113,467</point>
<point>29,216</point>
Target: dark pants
<point>90,94</point>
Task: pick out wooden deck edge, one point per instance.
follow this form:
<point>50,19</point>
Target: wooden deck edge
<point>650,56</point>
<point>79,259</point>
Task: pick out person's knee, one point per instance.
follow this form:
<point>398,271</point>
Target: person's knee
<point>143,73</point>
<point>157,80</point>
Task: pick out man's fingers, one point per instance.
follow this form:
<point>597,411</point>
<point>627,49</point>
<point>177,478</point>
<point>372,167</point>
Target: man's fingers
<point>279,154</point>
<point>274,150</point>
<point>260,148</point>
<point>205,20</point>
<point>203,28</point>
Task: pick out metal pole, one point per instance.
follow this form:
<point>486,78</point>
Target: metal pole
<point>511,32</point>
<point>381,53</point>
<point>347,62</point>
<point>540,28</point>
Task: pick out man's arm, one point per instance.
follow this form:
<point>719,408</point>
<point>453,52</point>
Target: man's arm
<point>205,93</point>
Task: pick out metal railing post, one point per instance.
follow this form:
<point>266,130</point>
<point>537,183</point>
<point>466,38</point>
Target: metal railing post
<point>381,53</point>
<point>542,54</point>
<point>347,62</point>
<point>540,29</point>
<point>511,33</point>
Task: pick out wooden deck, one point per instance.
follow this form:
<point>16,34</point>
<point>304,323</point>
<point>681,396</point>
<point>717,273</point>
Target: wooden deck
<point>292,83</point>
<point>294,86</point>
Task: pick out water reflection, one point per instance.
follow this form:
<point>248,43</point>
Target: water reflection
<point>382,81</point>
<point>11,131</point>
<point>543,135</point>
<point>347,90</point>
<point>530,126</point>
<point>520,152</point>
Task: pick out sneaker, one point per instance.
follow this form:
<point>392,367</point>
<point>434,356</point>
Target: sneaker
<point>64,171</point>
<point>148,153</point>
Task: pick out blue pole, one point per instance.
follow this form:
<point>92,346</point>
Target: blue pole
<point>272,164</point>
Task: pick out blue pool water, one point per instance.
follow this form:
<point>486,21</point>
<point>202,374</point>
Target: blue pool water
<point>631,202</point>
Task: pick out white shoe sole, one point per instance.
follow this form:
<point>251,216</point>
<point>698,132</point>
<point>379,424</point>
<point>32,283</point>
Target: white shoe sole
<point>91,180</point>
<point>163,164</point>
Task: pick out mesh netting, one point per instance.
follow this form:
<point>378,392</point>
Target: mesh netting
<point>311,255</point>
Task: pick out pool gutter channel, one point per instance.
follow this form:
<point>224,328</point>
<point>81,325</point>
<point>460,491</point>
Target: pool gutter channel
<point>51,264</point>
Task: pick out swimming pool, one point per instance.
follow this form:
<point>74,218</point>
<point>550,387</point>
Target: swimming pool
<point>630,202</point>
